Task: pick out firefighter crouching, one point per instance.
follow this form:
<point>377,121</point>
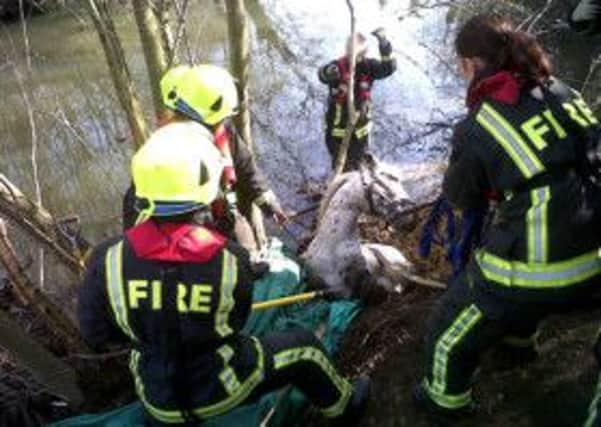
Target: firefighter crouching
<point>336,75</point>
<point>521,144</point>
<point>207,94</point>
<point>180,292</point>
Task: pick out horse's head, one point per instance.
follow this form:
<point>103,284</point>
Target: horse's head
<point>385,193</point>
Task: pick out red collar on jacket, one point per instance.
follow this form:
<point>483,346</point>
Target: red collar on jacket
<point>175,242</point>
<point>502,87</point>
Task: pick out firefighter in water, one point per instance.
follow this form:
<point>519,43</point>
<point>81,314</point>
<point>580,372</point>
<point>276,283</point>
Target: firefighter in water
<point>180,292</point>
<point>336,75</point>
<point>207,94</point>
<point>523,145</point>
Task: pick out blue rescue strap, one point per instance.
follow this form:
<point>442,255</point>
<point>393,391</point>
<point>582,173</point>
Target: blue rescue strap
<point>459,238</point>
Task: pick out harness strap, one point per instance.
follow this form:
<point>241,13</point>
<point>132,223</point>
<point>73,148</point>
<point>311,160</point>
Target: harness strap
<point>462,237</point>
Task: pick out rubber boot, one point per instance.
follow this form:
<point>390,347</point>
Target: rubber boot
<point>438,415</point>
<point>357,404</point>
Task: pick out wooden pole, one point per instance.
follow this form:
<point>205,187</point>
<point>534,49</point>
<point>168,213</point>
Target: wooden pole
<point>239,46</point>
<point>351,110</point>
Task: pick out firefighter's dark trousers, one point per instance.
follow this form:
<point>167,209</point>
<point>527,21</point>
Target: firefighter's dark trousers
<point>297,358</point>
<point>357,149</point>
<point>468,319</point>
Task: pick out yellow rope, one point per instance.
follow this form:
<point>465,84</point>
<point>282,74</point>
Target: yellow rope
<point>292,299</point>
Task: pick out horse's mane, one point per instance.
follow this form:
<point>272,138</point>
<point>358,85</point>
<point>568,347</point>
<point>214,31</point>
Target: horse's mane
<point>331,192</point>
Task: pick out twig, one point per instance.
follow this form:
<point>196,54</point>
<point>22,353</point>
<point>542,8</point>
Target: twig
<point>536,18</point>
<point>423,281</point>
<point>25,36</point>
<point>181,34</point>
<point>595,63</point>
<point>34,162</point>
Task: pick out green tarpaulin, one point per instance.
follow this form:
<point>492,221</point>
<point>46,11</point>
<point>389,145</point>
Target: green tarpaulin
<point>284,279</point>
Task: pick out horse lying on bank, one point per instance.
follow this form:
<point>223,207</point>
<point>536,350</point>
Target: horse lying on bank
<point>336,255</point>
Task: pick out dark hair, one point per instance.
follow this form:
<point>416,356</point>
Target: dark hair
<point>504,48</point>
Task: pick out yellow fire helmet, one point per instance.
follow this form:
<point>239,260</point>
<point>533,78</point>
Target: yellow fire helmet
<point>204,93</point>
<point>178,170</point>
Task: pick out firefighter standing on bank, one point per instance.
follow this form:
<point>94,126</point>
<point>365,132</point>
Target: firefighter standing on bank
<point>179,293</point>
<point>207,94</point>
<point>523,144</point>
<point>336,75</point>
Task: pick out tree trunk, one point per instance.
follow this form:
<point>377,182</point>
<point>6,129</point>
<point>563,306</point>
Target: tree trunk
<point>119,70</point>
<point>155,54</point>
<point>239,44</point>
<point>240,61</point>
<point>352,113</point>
<point>162,9</point>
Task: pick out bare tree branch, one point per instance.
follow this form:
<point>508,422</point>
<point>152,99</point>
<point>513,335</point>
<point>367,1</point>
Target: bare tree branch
<point>118,68</point>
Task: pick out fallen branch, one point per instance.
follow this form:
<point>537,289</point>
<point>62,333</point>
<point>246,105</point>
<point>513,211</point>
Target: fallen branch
<point>422,281</point>
<point>32,294</point>
<point>59,378</point>
<point>38,223</point>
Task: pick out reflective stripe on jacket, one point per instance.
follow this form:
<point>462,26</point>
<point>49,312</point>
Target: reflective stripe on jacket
<point>545,233</point>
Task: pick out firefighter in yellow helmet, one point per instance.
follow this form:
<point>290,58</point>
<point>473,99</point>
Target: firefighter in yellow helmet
<point>179,293</point>
<point>206,94</point>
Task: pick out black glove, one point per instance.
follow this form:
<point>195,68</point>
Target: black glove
<point>379,33</point>
<point>332,72</point>
<point>384,43</point>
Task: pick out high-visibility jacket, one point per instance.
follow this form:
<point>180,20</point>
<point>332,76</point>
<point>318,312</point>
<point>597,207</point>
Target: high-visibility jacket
<point>546,232</point>
<point>366,72</point>
<point>179,294</point>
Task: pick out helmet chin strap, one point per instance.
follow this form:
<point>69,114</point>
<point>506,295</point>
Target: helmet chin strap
<point>146,213</point>
<point>184,108</point>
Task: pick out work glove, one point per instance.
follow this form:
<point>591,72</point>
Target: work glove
<point>271,207</point>
<point>275,210</point>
